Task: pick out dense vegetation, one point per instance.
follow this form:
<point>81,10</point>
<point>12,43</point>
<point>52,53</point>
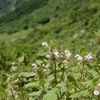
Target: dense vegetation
<point>4,6</point>
<point>63,24</point>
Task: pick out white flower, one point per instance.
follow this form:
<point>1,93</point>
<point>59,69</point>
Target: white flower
<point>15,81</point>
<point>16,96</point>
<point>46,70</point>
<point>35,66</point>
<point>43,64</point>
<point>66,78</point>
<point>99,85</point>
<point>8,79</point>
<point>45,44</point>
<point>48,56</point>
<point>79,58</point>
<point>88,57</point>
<point>96,92</point>
<point>56,53</point>
<point>68,54</point>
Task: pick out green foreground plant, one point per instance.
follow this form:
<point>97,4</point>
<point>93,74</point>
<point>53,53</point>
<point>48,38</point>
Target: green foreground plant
<point>54,75</point>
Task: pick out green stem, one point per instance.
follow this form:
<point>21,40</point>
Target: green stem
<point>55,71</point>
<point>12,95</point>
<point>22,94</point>
<point>76,91</point>
<point>82,72</point>
<point>62,73</point>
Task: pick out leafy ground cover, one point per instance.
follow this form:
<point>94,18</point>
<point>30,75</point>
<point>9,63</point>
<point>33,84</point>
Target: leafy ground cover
<point>66,68</point>
<point>53,75</point>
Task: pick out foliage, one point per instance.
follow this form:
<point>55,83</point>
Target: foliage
<point>30,72</point>
<point>54,75</point>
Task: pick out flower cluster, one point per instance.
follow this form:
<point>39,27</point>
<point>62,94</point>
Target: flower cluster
<point>68,54</point>
<point>54,54</point>
<point>46,70</point>
<point>87,57</point>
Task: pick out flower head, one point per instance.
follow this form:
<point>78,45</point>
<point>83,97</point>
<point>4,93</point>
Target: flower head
<point>68,54</point>
<point>96,92</point>
<point>56,53</point>
<point>48,56</point>
<point>45,44</point>
<point>79,58</point>
<point>88,57</point>
<point>46,70</point>
<point>99,85</point>
<point>35,66</point>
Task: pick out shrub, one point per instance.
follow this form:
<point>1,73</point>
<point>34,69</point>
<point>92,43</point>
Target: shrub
<point>44,21</point>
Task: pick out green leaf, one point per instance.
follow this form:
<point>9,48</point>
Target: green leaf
<point>94,35</point>
<point>83,51</point>
<point>13,63</point>
<point>35,93</point>
<point>87,83</point>
<point>27,74</point>
<point>31,85</point>
<point>39,62</point>
<point>71,79</point>
<point>42,82</point>
<point>81,93</point>
<point>94,73</point>
<point>50,96</point>
<point>41,53</point>
<point>13,51</point>
<point>61,85</point>
<point>54,90</point>
<point>13,68</point>
<point>51,43</point>
<point>84,93</point>
<point>75,95</point>
<point>21,59</point>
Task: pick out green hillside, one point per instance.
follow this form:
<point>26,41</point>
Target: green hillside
<point>63,24</point>
<point>68,22</point>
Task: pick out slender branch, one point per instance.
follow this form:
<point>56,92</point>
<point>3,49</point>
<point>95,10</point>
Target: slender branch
<point>12,94</point>
<point>55,71</point>
<point>82,71</point>
<point>62,73</point>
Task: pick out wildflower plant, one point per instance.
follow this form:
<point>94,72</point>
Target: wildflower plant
<point>54,77</point>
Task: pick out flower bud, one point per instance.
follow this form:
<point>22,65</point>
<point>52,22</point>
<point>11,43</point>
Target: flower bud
<point>96,92</point>
<point>35,66</point>
<point>48,56</point>
<point>45,44</point>
<point>99,85</point>
<point>46,70</point>
<point>56,53</point>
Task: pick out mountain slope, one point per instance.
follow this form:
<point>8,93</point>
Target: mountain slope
<point>85,13</point>
<point>68,22</point>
